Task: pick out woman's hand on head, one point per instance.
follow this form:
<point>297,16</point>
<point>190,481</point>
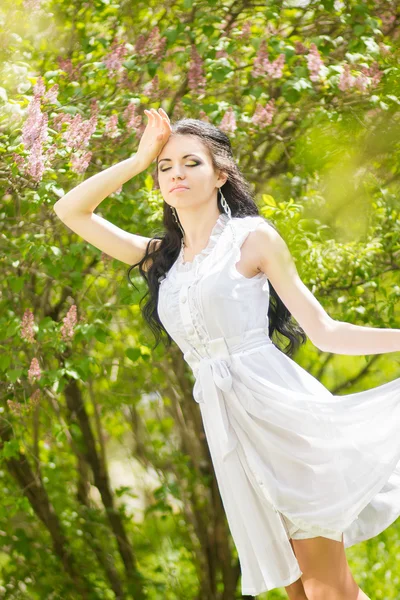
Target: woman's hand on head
<point>155,136</point>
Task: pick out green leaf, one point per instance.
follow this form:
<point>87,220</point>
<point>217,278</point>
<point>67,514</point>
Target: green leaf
<point>208,30</point>
<point>12,329</point>
<point>14,374</point>
<point>267,199</point>
<point>133,353</point>
<point>10,449</point>
<point>152,68</point>
<point>221,73</point>
<point>149,183</point>
<point>16,283</point>
<point>56,250</point>
<point>72,373</point>
<point>101,335</point>
<point>5,361</point>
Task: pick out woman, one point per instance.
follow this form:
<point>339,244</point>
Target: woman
<point>302,474</point>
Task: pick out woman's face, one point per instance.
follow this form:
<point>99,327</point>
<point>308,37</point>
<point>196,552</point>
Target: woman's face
<point>185,161</point>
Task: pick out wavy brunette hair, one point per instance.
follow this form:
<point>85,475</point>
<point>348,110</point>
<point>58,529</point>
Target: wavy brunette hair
<point>238,195</point>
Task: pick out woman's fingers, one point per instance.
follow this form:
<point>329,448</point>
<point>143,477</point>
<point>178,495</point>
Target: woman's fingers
<point>157,115</point>
<point>161,109</point>
<point>153,114</point>
<point>164,119</point>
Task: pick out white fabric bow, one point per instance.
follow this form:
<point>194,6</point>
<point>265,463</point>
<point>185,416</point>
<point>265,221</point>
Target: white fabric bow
<point>211,373</point>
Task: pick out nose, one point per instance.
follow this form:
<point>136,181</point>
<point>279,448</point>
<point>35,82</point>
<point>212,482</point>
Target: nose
<point>176,174</point>
<point>177,180</point>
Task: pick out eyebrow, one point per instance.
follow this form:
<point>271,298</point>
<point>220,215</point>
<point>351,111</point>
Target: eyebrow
<point>186,155</point>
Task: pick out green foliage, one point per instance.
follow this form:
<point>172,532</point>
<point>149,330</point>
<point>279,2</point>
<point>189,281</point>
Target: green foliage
<point>107,486</point>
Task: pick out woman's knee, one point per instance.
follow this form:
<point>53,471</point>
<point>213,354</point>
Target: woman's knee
<point>317,590</point>
<point>326,573</point>
<point>295,591</point>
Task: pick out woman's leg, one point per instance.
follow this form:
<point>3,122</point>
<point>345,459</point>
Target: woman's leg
<point>326,573</point>
<point>295,591</point>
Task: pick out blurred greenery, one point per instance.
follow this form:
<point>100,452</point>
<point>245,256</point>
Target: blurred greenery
<point>108,489</point>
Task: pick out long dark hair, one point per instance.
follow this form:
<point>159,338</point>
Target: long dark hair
<point>237,193</point>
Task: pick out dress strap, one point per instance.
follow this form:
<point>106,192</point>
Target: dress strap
<point>241,228</point>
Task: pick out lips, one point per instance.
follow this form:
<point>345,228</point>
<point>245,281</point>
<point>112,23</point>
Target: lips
<point>179,187</point>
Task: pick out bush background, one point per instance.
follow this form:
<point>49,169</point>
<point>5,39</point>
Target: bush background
<point>107,488</point>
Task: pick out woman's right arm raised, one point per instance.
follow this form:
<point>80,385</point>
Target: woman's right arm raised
<point>76,208</point>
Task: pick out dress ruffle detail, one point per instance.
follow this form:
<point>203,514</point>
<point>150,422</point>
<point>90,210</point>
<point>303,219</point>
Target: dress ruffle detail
<point>191,267</point>
<point>218,228</point>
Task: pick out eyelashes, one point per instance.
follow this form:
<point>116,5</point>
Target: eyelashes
<point>167,169</point>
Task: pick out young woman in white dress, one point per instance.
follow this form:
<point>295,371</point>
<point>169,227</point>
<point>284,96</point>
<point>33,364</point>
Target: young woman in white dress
<point>191,213</point>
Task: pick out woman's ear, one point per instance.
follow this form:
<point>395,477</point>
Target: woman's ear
<point>222,175</point>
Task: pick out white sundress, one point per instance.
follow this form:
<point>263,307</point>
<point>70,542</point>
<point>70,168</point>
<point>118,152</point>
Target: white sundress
<point>288,455</point>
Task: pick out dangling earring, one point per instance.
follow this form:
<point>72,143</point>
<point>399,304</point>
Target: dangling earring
<point>174,214</point>
<point>225,205</point>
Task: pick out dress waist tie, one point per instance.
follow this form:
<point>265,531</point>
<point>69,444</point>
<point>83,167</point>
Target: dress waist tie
<point>212,371</point>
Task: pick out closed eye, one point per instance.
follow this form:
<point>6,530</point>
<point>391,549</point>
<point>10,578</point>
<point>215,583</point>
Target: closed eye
<point>167,169</point>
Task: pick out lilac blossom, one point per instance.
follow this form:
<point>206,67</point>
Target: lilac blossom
<point>228,123</point>
<point>27,332</point>
<point>262,64</point>
<point>314,63</point>
<point>69,322</point>
<point>263,115</point>
<point>196,77</point>
<point>115,58</point>
<point>34,371</point>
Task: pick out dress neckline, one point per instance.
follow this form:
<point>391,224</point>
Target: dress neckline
<point>216,231</point>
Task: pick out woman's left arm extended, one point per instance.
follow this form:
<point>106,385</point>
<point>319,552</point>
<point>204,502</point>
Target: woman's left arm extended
<point>327,334</point>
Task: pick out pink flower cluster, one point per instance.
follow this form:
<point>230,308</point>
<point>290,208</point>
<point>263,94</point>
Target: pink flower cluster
<point>246,30</point>
<point>262,64</point>
<point>388,19</point>
<point>152,88</point>
<point>300,48</point>
<point>79,132</point>
<point>69,322</point>
<point>31,6</point>
<point>196,77</point>
<point>263,115</point>
<point>77,136</point>
<point>34,370</point>
<point>16,407</point>
<point>35,134</point>
<point>35,397</point>
<point>204,116</point>
<point>151,47</point>
<point>27,332</point>
<point>314,63</point>
<point>19,409</point>
<point>228,123</point>
<point>369,77</point>
<point>65,64</point>
<point>111,129</point>
<point>115,57</point>
<point>132,120</point>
